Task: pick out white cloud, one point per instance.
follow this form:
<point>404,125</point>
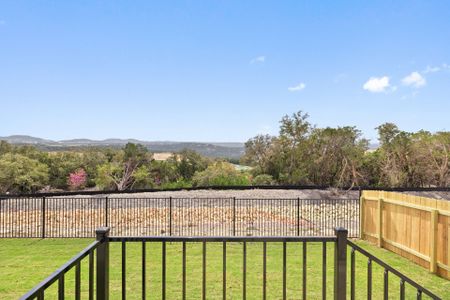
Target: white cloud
<point>297,87</point>
<point>430,69</point>
<point>259,59</point>
<point>434,69</point>
<point>377,84</point>
<point>415,80</point>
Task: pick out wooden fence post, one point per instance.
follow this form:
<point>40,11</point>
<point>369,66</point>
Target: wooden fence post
<point>380,219</point>
<point>433,240</point>
<point>448,247</point>
<point>361,216</point>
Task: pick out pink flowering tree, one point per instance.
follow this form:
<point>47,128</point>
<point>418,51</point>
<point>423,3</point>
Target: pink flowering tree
<point>77,179</point>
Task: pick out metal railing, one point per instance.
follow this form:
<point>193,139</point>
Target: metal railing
<point>403,280</point>
<point>79,217</point>
<point>98,247</point>
<point>129,275</point>
<point>102,269</point>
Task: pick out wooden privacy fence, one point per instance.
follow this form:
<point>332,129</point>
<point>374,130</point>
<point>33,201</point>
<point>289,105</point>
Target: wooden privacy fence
<point>416,228</point>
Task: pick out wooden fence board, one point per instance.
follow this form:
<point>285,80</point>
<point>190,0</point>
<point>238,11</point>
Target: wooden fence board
<point>417,228</point>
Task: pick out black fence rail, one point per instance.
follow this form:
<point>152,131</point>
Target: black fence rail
<point>97,249</point>
<point>285,268</point>
<point>78,217</point>
<point>104,263</point>
<point>387,290</point>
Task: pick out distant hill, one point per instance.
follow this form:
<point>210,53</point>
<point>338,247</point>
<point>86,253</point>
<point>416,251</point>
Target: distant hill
<point>26,139</point>
<point>225,150</point>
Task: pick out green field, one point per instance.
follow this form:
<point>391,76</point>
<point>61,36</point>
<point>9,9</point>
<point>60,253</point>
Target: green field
<point>24,262</point>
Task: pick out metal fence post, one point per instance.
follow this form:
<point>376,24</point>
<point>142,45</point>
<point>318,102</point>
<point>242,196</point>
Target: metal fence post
<point>170,216</point>
<point>102,234</point>
<point>106,211</point>
<point>298,216</point>
<point>43,217</point>
<point>340,264</point>
<point>234,216</point>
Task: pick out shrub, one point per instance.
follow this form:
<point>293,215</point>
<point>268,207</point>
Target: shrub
<point>20,174</point>
<point>180,184</point>
<point>220,174</point>
<point>77,179</point>
<point>263,179</point>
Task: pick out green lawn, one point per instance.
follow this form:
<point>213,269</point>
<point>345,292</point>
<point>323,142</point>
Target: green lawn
<point>24,262</point>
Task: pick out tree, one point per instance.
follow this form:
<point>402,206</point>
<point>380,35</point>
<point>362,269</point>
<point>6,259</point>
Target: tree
<point>293,140</point>
<point>257,152</point>
<point>77,179</point>
<point>387,133</point>
<point>439,153</point>
<point>120,172</point>
<point>412,159</point>
<point>165,172</point>
<point>91,158</point>
<point>20,174</point>
<point>60,165</point>
<point>188,162</point>
<point>337,156</point>
<point>395,155</point>
<point>142,178</point>
<point>5,147</point>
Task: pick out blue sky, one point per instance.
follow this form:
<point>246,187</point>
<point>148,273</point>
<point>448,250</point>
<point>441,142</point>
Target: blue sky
<point>220,70</point>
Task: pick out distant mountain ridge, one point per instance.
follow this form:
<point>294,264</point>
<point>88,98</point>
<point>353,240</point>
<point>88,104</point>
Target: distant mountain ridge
<point>225,150</point>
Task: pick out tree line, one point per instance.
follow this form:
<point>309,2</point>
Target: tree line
<point>26,169</point>
<point>303,154</point>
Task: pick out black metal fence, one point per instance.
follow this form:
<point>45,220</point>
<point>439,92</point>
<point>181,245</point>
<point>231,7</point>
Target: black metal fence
<point>115,286</point>
<point>387,289</point>
<point>78,217</point>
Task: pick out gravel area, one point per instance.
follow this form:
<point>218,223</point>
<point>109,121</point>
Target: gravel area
<point>198,212</point>
<point>193,213</point>
<point>434,195</point>
<point>253,194</point>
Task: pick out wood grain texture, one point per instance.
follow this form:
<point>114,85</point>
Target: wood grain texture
<point>417,228</point>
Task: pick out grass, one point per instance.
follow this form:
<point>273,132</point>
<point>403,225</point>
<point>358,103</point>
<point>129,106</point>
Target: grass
<point>25,262</point>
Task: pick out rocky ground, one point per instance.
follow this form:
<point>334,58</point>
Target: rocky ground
<point>253,194</point>
<point>435,195</point>
<point>203,212</point>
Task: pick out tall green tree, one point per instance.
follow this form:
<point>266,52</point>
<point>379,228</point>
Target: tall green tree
<point>21,174</point>
<point>336,156</point>
<point>122,171</point>
<point>188,162</point>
